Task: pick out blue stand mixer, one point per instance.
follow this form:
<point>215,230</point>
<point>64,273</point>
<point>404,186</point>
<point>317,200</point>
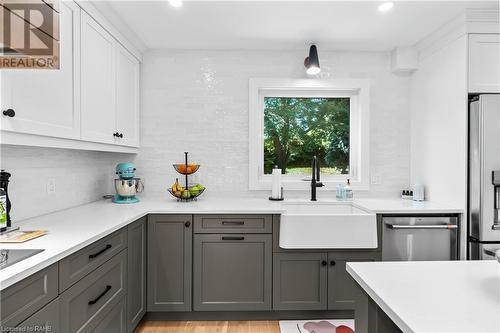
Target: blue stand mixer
<point>127,185</point>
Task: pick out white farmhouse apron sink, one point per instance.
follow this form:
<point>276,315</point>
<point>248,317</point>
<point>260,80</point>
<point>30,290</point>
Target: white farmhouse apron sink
<point>327,225</point>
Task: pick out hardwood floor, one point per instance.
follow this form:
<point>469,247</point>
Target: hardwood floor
<point>208,327</point>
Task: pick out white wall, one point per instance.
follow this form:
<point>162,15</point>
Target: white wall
<point>80,177</point>
<point>197,101</point>
<point>439,124</point>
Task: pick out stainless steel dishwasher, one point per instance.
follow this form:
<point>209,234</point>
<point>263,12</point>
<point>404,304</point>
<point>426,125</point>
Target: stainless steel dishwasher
<point>419,238</point>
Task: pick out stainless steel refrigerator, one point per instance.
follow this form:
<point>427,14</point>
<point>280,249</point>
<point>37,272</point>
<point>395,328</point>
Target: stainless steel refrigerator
<point>484,177</point>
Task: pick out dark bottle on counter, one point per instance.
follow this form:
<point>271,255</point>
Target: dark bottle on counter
<point>4,201</point>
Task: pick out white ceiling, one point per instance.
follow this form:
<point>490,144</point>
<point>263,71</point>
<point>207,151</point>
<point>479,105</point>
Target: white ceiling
<point>334,25</point>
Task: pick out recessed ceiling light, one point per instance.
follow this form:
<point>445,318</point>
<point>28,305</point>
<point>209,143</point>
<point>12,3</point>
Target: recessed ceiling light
<point>175,3</point>
<point>386,6</point>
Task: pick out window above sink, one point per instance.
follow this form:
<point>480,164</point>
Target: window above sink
<point>292,120</point>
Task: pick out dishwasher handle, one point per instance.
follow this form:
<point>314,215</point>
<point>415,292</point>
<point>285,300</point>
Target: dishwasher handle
<point>421,226</point>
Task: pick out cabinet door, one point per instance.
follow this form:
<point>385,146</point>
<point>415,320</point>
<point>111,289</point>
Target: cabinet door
<point>45,320</point>
<point>343,291</point>
<point>232,272</point>
<point>98,82</point>
<point>300,281</point>
<point>484,63</point>
<point>46,102</point>
<point>127,97</point>
<point>136,266</point>
<point>169,262</point>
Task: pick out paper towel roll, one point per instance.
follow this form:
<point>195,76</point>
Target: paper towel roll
<point>276,187</point>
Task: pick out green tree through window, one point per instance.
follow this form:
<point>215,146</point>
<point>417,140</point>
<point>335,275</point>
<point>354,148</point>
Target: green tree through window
<point>296,129</point>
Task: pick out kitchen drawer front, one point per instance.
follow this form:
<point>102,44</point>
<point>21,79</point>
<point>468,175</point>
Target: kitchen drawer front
<point>76,266</point>
<point>251,224</point>
<point>45,320</point>
<point>94,294</point>
<point>112,320</point>
<point>23,299</point>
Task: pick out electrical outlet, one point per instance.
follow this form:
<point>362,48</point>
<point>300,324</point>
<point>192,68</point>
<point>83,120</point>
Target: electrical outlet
<point>376,179</point>
<point>51,186</point>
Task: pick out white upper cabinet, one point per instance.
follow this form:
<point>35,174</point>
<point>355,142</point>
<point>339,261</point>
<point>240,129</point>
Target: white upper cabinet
<point>46,101</point>
<point>127,97</point>
<point>91,103</point>
<point>98,82</point>
<point>484,63</point>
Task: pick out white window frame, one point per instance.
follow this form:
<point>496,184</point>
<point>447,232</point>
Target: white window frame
<point>358,90</point>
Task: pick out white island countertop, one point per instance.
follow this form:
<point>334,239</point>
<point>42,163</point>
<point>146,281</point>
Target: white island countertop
<point>434,297</point>
<point>72,229</point>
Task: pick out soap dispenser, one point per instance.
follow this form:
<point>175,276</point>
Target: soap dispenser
<point>348,190</point>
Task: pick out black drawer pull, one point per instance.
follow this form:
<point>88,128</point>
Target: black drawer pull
<point>97,254</point>
<point>333,263</point>
<point>233,222</point>
<point>187,224</point>
<point>233,238</point>
<point>92,302</point>
<point>323,263</point>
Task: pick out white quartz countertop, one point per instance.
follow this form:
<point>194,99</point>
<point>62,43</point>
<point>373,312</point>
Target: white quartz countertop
<point>72,229</point>
<point>434,297</point>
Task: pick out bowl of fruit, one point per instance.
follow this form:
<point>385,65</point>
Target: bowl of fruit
<point>186,194</point>
<point>186,169</point>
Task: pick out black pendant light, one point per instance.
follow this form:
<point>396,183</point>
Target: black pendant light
<point>312,62</point>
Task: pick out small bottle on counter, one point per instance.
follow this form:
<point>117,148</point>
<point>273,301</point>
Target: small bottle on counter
<point>349,195</point>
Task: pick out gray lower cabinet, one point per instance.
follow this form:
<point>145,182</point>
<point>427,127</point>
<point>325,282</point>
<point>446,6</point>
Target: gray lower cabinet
<point>300,281</point>
<point>136,277</point>
<point>23,299</point>
<point>232,272</point>
<point>45,320</point>
<point>169,262</point>
<point>87,303</point>
<point>317,281</point>
<point>343,292</point>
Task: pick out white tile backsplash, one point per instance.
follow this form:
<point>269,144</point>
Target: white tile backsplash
<point>197,101</point>
<point>79,176</point>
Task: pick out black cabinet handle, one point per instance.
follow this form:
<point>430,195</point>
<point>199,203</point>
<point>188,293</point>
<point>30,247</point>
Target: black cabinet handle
<point>9,113</point>
<point>332,263</point>
<point>120,135</point>
<point>92,302</point>
<point>233,238</point>
<point>115,134</point>
<point>187,224</point>
<point>233,222</point>
<point>97,254</point>
<point>323,263</point>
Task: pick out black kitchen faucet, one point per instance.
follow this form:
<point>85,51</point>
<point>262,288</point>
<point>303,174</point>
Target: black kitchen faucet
<point>315,181</point>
